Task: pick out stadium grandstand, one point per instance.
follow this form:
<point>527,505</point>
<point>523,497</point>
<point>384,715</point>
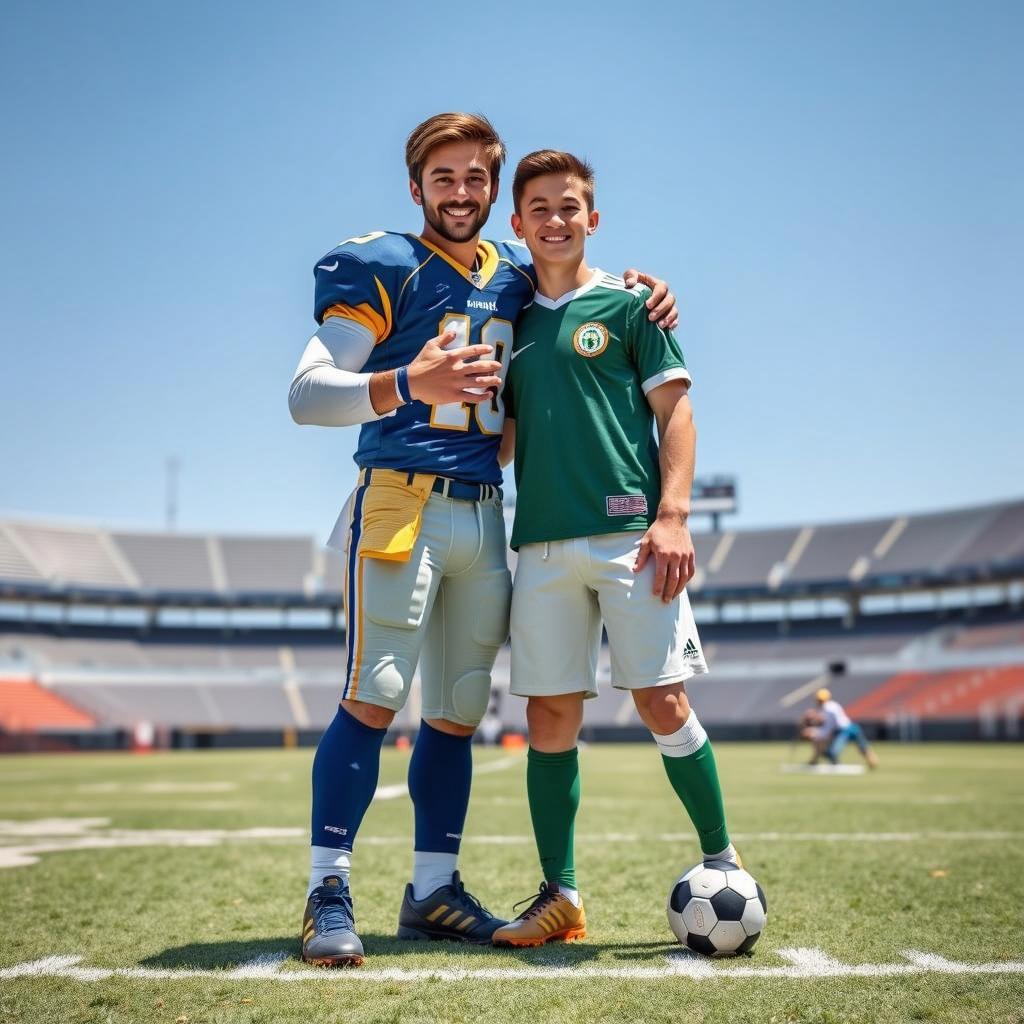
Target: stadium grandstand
<point>110,637</point>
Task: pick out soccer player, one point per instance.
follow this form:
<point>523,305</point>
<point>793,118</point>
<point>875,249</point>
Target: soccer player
<point>601,530</point>
<point>835,729</point>
<point>402,317</point>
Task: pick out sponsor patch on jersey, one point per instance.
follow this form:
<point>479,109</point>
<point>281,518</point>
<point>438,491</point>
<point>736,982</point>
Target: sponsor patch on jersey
<point>590,339</point>
<point>626,505</point>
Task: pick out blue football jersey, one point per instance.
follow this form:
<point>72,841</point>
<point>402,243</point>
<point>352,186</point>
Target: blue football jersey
<point>406,291</point>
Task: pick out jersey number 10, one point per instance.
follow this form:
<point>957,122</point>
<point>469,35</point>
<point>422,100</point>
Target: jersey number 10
<point>489,415</point>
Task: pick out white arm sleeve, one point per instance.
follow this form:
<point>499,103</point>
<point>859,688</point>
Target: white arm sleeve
<point>328,390</point>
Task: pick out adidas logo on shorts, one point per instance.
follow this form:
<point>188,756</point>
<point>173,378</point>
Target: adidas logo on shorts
<point>690,650</point>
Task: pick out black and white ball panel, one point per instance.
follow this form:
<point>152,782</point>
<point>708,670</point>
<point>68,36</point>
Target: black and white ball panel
<point>717,909</point>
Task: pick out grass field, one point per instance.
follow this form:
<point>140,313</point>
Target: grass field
<point>178,881</point>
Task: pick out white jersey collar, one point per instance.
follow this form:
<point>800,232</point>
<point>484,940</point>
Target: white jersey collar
<point>543,300</point>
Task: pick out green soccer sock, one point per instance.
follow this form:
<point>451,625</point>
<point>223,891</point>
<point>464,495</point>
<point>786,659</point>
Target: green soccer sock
<point>553,789</point>
<point>690,765</point>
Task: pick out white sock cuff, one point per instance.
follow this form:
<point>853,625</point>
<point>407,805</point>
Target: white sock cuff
<point>431,870</point>
<point>729,853</point>
<point>686,740</point>
<point>326,860</point>
<point>572,895</point>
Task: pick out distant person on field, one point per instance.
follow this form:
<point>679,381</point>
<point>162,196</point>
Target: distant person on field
<point>808,726</point>
<point>834,730</point>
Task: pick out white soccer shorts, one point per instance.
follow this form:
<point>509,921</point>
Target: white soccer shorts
<point>565,590</point>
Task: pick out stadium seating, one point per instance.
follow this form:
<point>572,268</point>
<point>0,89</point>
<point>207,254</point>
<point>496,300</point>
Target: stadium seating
<point>213,676</point>
<point>1004,634</point>
<point>973,543</point>
<point>15,565</point>
<point>27,707</point>
<point>967,693</point>
<point>167,563</point>
<point>838,552</point>
<point>746,561</point>
<point>283,682</point>
<point>270,565</point>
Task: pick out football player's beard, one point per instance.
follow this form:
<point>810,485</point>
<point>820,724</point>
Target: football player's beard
<point>435,219</point>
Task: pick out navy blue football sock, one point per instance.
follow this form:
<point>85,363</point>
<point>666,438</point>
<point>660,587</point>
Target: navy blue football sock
<point>345,771</point>
<point>440,774</point>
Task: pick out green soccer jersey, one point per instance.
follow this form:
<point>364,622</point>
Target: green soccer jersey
<point>582,366</point>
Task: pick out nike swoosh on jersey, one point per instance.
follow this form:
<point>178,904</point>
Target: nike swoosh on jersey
<point>520,351</point>
<point>331,268</point>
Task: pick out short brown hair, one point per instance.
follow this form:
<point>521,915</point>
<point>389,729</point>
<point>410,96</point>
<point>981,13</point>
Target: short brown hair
<point>441,129</point>
<point>552,161</point>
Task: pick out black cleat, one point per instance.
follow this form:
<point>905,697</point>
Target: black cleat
<point>328,927</point>
<point>447,913</point>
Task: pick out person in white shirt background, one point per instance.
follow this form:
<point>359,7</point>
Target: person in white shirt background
<point>830,728</point>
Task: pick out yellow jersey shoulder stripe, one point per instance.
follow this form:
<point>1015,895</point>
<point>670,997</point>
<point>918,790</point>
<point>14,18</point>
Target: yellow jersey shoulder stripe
<point>365,315</point>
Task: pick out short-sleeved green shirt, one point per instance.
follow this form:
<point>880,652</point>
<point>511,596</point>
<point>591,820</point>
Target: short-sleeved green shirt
<point>586,460</point>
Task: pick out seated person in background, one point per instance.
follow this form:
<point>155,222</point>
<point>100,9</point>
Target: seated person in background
<point>835,730</point>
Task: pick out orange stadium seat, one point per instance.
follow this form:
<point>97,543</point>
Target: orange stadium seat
<point>965,693</point>
<point>25,706</point>
<point>880,702</point>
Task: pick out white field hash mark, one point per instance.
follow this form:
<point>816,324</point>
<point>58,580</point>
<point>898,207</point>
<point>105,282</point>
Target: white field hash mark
<point>22,842</point>
<point>802,963</point>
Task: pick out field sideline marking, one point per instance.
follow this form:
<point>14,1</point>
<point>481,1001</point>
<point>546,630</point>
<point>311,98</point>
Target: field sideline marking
<point>59,835</point>
<point>156,787</point>
<point>803,963</point>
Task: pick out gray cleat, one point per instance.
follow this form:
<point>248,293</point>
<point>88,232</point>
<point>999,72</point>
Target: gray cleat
<point>328,926</point>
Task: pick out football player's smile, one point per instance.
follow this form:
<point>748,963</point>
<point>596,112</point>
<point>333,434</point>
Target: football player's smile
<point>460,212</point>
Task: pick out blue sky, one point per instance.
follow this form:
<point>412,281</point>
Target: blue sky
<point>835,190</point>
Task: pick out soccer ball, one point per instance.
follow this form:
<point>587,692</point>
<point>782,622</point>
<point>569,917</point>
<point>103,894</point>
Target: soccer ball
<point>717,909</point>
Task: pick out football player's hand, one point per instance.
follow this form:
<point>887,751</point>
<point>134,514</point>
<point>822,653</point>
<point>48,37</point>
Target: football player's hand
<point>668,542</point>
<point>439,375</point>
<point>661,302</point>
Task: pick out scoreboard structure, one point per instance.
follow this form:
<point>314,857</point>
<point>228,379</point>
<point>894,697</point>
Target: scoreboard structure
<point>714,496</point>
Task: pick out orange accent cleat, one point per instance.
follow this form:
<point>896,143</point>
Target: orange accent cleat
<point>551,917</point>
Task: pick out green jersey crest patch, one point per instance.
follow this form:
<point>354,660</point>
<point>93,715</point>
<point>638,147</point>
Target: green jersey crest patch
<point>590,339</point>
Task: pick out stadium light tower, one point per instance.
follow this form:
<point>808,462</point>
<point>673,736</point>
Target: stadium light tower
<point>712,496</point>
<point>172,465</point>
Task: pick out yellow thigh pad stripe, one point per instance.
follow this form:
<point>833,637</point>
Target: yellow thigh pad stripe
<point>393,514</point>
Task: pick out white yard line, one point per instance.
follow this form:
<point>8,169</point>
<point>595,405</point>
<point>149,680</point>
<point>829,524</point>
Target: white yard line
<point>802,964</point>
<point>157,787</point>
<point>60,835</point>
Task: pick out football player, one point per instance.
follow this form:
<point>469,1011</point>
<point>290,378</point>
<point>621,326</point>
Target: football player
<point>416,331</point>
<point>601,531</point>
